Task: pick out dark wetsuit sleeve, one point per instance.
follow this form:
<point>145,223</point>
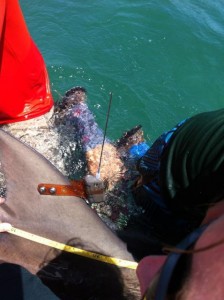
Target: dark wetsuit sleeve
<point>192,168</point>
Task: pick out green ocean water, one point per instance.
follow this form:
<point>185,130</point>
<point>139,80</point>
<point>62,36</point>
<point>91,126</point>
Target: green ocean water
<point>162,60</point>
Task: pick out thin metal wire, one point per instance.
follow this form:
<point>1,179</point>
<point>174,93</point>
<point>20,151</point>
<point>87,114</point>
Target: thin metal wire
<point>104,136</point>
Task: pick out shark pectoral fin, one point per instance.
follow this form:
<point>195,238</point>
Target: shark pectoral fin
<point>130,137</point>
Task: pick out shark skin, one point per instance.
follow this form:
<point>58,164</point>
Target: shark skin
<point>65,219</point>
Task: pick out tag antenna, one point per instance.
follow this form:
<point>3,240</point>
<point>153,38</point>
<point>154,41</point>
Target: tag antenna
<point>104,136</point>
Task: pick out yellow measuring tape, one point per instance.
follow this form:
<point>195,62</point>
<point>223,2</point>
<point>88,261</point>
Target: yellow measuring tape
<point>60,246</point>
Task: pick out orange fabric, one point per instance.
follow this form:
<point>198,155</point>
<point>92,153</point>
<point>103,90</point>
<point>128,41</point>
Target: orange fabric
<point>24,83</point>
<point>77,188</point>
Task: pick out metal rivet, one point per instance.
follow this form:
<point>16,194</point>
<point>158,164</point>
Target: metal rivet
<point>42,189</point>
<point>52,190</point>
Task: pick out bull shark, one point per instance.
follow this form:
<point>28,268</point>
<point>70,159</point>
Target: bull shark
<point>66,219</point>
<point>70,138</point>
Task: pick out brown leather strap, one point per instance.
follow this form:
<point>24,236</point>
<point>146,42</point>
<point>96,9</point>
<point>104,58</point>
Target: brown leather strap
<point>77,188</point>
